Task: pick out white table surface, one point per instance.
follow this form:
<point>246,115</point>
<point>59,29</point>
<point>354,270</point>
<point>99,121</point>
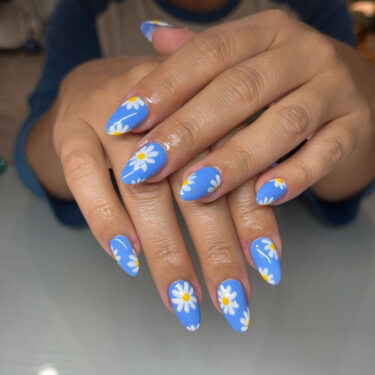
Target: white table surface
<point>66,304</point>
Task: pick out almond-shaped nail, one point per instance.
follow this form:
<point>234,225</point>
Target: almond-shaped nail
<point>125,255</point>
<point>148,28</point>
<point>271,191</point>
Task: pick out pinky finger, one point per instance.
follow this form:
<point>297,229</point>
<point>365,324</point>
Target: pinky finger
<point>331,145</point>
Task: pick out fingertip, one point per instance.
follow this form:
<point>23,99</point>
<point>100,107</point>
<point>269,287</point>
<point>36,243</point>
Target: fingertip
<point>167,40</point>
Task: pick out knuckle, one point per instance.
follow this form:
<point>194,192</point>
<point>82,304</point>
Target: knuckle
<point>243,155</point>
<point>103,215</point>
<point>318,42</point>
<point>78,162</point>
<point>304,173</point>
<point>217,251</point>
<point>139,71</point>
<point>213,46</point>
<point>335,150</point>
<point>242,85</point>
<point>293,121</point>
<point>278,14</point>
<point>187,129</point>
<point>165,251</point>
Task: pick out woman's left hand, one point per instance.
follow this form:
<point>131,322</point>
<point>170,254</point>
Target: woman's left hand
<point>317,89</point>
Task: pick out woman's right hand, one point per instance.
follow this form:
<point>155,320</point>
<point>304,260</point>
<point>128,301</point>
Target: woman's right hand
<point>75,165</point>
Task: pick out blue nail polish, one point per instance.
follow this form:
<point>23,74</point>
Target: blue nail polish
<point>144,164</point>
<point>131,113</point>
<point>148,28</point>
<point>233,303</point>
<point>201,183</point>
<point>271,192</point>
<point>266,260</point>
<point>125,255</point>
<point>185,304</point>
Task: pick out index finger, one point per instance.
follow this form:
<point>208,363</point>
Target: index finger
<point>194,65</point>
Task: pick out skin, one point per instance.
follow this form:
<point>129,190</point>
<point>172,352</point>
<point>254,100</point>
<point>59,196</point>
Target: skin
<point>70,151</point>
<point>321,90</point>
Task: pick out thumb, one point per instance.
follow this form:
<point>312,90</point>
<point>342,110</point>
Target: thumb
<point>167,40</point>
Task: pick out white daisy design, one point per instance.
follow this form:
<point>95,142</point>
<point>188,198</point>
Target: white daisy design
<point>245,320</point>
<point>115,253</point>
<point>192,327</point>
<point>133,263</point>
<point>271,248</point>
<point>137,181</point>
<point>215,183</point>
<point>143,157</point>
<point>266,201</point>
<point>279,183</point>
<point>119,127</point>
<point>186,185</point>
<point>183,297</point>
<point>227,300</point>
<point>134,102</point>
<point>265,273</point>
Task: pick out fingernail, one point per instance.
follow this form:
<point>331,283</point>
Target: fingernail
<point>201,183</point>
<point>144,164</point>
<point>266,259</point>
<point>271,191</point>
<point>148,27</point>
<point>185,304</point>
<point>131,113</point>
<point>233,303</point>
<point>125,255</point>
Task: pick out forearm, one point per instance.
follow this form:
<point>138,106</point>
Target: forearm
<point>43,159</point>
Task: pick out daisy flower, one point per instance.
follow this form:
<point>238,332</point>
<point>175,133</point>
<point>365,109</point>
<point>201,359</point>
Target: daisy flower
<point>116,255</point>
<point>133,263</point>
<point>271,248</point>
<point>184,297</point>
<point>192,327</point>
<point>119,127</point>
<point>266,201</point>
<point>134,102</point>
<point>186,185</point>
<point>143,157</point>
<point>245,320</point>
<point>279,183</point>
<point>267,275</point>
<point>227,300</point>
<point>215,183</point>
<point>137,181</point>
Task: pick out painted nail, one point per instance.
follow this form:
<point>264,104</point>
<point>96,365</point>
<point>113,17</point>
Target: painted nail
<point>185,304</point>
<point>201,183</point>
<point>125,255</point>
<point>131,113</point>
<point>144,164</point>
<point>233,303</point>
<point>271,191</point>
<point>266,259</point>
<point>148,28</point>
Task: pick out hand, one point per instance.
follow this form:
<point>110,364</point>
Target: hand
<point>320,90</point>
<point>83,148</point>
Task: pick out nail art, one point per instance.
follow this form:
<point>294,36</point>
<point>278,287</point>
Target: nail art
<point>148,28</point>
<point>125,255</point>
<point>201,183</point>
<point>130,114</point>
<point>233,303</point>
<point>266,259</point>
<point>144,164</point>
<point>185,304</point>
<point>271,192</point>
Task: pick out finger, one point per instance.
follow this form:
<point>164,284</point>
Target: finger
<point>278,131</point>
<point>169,40</point>
<point>196,63</point>
<point>257,231</point>
<point>88,178</point>
<point>223,104</point>
<point>152,211</point>
<point>315,159</point>
<point>220,257</point>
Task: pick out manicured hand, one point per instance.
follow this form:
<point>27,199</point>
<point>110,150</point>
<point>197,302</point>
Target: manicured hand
<point>321,91</point>
<point>225,232</point>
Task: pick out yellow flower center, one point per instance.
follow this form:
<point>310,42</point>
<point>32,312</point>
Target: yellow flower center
<point>279,180</point>
<point>225,301</point>
<point>265,277</point>
<point>132,99</point>
<point>156,21</point>
<point>137,263</point>
<point>116,133</point>
<point>185,182</point>
<point>141,155</point>
<point>248,322</point>
<point>186,297</point>
<point>273,247</point>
